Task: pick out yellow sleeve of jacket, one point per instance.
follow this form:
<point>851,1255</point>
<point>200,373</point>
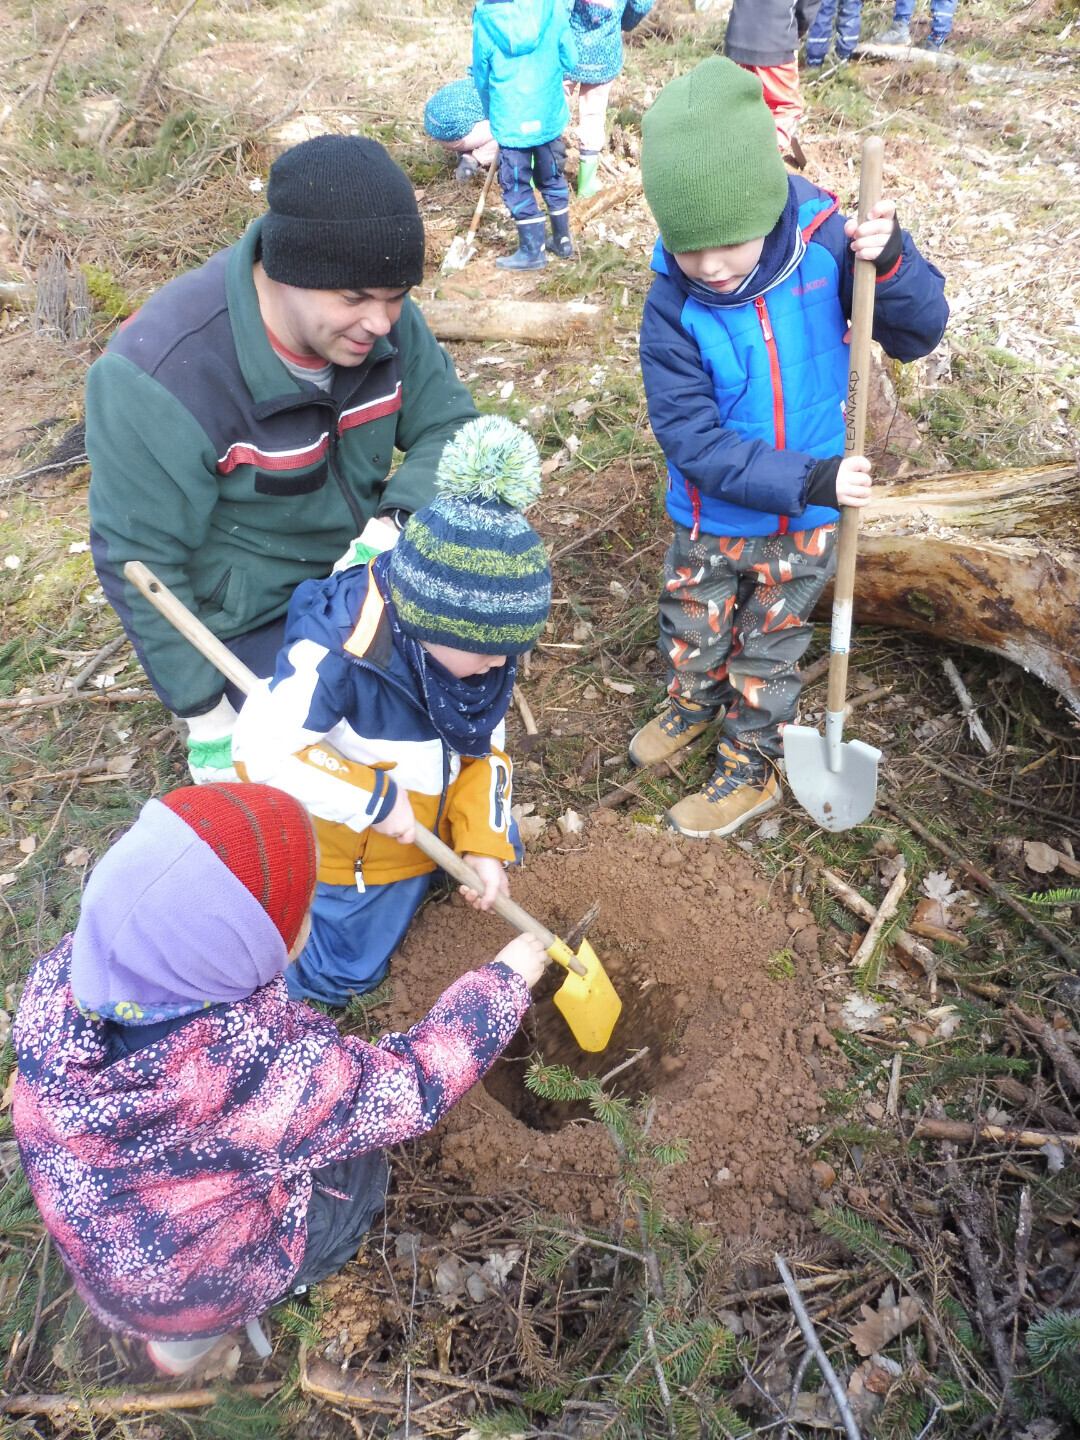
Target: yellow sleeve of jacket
<point>478,806</point>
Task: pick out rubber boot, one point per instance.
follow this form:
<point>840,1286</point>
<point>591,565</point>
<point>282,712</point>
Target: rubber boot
<point>559,242</point>
<point>530,252</point>
<point>588,182</point>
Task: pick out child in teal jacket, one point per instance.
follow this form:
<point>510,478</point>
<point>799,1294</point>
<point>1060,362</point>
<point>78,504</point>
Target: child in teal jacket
<point>521,50</point>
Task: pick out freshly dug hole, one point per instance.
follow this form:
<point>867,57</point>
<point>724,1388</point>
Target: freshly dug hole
<point>646,1021</point>
<point>685,931</point>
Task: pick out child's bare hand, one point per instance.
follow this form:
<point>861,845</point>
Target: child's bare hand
<point>853,483</point>
<point>526,957</point>
<point>493,874</point>
<point>868,239</point>
<point>400,824</point>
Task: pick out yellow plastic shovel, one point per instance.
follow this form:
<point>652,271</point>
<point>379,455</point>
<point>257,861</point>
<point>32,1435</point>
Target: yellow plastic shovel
<point>586,998</point>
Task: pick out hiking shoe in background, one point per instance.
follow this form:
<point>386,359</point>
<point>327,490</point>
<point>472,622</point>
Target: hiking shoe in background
<point>669,732</point>
<point>466,169</point>
<point>744,786</point>
<point>933,44</point>
<point>894,35</point>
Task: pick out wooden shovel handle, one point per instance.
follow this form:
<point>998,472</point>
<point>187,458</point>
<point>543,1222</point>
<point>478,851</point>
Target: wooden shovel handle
<point>207,643</point>
<point>862,324</point>
<point>474,223</point>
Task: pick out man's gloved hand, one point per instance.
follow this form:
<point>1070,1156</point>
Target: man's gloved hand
<point>209,744</point>
<point>379,534</point>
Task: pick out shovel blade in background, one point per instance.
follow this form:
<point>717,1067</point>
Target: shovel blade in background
<point>588,1003</point>
<point>458,256</point>
<point>835,799</point>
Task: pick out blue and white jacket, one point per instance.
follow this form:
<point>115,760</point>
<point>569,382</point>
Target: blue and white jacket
<point>340,682</point>
<point>746,400</point>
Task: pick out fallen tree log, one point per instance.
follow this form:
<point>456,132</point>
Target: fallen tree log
<point>983,558</point>
<point>908,55</point>
<point>530,322</point>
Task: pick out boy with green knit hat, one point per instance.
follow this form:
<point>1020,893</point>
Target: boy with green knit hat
<point>403,663</point>
<point>743,354</point>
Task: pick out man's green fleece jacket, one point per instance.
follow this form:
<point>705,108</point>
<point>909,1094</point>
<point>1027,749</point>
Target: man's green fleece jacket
<point>233,481</point>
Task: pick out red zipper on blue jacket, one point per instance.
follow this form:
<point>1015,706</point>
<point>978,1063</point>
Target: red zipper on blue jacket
<point>777,384</point>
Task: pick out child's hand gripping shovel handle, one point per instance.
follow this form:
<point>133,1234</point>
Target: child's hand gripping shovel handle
<point>207,643</point>
<point>862,324</point>
<point>512,913</point>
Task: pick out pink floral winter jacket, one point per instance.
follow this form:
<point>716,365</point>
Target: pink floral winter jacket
<point>175,1182</point>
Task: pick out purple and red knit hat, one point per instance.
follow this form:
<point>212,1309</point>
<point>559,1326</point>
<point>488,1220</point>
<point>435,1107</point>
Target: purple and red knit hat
<point>198,904</point>
<point>264,837</point>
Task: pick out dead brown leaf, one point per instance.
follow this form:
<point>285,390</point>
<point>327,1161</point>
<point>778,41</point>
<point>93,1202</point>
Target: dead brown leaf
<point>873,1332</point>
<point>1040,857</point>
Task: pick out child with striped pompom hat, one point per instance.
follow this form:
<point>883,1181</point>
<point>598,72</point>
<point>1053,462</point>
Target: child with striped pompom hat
<point>404,663</point>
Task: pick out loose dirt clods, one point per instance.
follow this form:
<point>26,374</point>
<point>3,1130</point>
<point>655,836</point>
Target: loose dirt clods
<point>685,931</point>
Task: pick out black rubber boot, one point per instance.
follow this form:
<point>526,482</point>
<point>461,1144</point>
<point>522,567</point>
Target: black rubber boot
<point>559,242</point>
<point>530,252</point>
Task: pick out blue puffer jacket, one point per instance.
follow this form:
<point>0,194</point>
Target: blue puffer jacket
<point>745,400</point>
<point>521,50</point>
<point>598,27</point>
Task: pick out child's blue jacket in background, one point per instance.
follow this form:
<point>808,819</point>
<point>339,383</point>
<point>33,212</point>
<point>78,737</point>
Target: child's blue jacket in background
<point>521,50</point>
<point>745,400</point>
<point>598,30</point>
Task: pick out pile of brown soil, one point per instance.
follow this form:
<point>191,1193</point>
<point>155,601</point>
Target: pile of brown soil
<point>686,930</point>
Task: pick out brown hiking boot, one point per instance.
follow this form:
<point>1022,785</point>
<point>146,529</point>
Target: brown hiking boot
<point>744,786</point>
<point>668,733</point>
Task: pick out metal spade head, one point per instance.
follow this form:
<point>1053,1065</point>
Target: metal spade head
<point>837,799</point>
<point>588,1003</point>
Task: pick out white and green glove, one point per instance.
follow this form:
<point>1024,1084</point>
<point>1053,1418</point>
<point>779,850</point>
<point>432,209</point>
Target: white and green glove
<point>209,745</point>
<point>379,534</point>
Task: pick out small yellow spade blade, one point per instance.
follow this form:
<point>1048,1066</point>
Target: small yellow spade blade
<point>588,1003</point>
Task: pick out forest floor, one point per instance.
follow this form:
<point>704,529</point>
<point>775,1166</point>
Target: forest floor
<point>560,1263</point>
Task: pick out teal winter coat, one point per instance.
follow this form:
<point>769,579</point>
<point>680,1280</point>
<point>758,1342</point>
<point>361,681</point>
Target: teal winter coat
<point>521,50</point>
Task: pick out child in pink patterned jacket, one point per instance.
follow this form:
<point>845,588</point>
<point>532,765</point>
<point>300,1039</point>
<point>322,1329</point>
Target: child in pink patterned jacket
<point>199,1145</point>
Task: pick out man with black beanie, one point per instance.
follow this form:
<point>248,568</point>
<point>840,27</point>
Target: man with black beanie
<point>242,425</point>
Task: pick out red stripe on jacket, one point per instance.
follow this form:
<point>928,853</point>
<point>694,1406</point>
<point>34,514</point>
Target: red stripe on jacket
<point>246,453</point>
<point>373,410</point>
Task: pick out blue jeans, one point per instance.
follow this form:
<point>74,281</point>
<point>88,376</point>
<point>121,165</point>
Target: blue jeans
<point>848,15</point>
<point>353,935</point>
<point>542,166</point>
<point>941,15</point>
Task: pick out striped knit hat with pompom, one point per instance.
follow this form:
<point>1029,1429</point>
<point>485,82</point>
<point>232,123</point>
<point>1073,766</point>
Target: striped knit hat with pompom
<point>468,570</point>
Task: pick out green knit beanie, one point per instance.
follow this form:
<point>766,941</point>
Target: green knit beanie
<point>710,163</point>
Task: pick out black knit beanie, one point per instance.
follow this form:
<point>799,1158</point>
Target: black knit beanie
<point>342,216</point>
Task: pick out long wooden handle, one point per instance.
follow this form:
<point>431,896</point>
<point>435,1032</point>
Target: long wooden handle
<point>862,324</point>
<point>207,643</point>
<point>474,224</point>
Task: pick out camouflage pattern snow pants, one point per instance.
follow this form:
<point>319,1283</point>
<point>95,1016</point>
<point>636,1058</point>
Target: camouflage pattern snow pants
<point>734,625</point>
